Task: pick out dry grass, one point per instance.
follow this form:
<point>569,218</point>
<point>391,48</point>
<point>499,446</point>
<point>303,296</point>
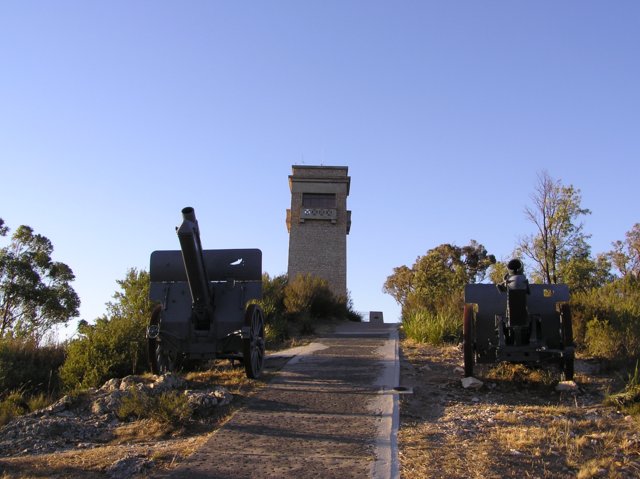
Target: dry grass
<point>517,425</point>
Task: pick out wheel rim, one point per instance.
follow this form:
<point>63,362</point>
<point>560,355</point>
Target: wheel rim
<point>567,342</point>
<point>254,344</point>
<point>467,340</point>
<point>160,359</point>
<point>152,343</point>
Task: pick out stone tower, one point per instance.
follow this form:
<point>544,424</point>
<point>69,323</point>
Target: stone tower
<point>318,224</point>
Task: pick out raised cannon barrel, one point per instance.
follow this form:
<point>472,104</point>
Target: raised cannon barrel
<point>201,295</point>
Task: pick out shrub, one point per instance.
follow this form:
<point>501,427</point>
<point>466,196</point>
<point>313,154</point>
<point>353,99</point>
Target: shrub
<point>603,340</point>
<point>309,294</point>
<point>606,320</point>
<point>115,346</point>
<point>110,348</point>
<point>272,304</point>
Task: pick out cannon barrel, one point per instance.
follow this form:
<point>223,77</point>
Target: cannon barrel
<point>189,237</point>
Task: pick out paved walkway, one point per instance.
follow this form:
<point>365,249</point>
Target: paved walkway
<point>330,412</point>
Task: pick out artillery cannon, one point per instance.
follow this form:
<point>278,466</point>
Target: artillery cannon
<point>205,305</point>
<point>517,322</point>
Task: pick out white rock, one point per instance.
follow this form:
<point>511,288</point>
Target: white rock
<point>471,383</point>
<point>458,370</point>
<point>111,385</point>
<point>566,386</point>
<point>167,382</point>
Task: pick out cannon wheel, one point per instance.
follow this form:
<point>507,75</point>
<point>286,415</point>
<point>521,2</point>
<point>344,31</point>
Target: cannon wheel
<point>467,340</point>
<point>159,360</point>
<point>567,341</point>
<point>253,346</point>
<point>152,343</point>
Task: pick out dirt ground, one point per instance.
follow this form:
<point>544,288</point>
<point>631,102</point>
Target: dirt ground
<point>515,425</point>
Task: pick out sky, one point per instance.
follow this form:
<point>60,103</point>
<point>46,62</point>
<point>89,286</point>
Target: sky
<point>115,115</point>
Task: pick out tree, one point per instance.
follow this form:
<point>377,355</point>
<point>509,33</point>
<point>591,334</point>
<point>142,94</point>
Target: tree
<point>35,292</point>
<point>625,255</point>
<point>559,236</point>
<point>115,345</point>
<point>438,276</point>
<point>400,284</point>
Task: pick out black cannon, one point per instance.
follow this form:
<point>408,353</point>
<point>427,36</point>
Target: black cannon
<point>205,304</point>
<point>517,322</point>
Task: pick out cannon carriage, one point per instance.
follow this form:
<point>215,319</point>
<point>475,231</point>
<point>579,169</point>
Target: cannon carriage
<point>517,322</point>
<point>205,304</point>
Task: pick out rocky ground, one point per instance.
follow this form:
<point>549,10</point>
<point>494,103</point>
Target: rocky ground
<point>516,424</point>
<point>129,427</point>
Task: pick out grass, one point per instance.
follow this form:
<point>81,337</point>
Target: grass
<point>169,408</point>
<point>628,400</point>
<point>18,403</point>
<point>519,373</point>
<point>439,328</point>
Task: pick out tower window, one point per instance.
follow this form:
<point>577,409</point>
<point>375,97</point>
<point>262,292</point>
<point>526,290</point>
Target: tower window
<point>318,200</point>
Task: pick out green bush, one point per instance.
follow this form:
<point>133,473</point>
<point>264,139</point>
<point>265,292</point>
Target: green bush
<point>603,340</point>
<point>108,349</point>
<point>606,320</point>
<point>115,346</point>
<point>28,367</point>
<point>311,295</point>
<point>427,327</point>
<point>272,303</point>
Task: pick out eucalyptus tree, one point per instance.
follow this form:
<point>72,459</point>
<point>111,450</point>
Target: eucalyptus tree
<point>559,235</point>
<point>438,277</point>
<point>625,255</point>
<point>35,291</point>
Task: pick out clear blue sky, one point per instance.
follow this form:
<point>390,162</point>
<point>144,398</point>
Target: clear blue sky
<point>114,115</point>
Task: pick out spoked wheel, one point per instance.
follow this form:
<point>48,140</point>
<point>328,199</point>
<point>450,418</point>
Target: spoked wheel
<point>253,343</point>
<point>160,360</point>
<point>152,339</point>
<point>467,339</point>
<point>567,342</point>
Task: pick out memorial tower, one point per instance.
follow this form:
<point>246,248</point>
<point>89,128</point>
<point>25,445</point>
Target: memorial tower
<point>318,223</point>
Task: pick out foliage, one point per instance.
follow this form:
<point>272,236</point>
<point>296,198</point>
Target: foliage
<point>559,236</point>
<point>625,255</point>
<point>303,301</point>
<point>272,304</point>
<point>35,291</point>
<point>583,273</point>
<point>438,276</point>
<point>171,407</point>
<point>439,328</point>
<point>497,271</point>
<point>310,295</point>
<point>31,368</point>
<point>115,345</point>
<point>606,320</point>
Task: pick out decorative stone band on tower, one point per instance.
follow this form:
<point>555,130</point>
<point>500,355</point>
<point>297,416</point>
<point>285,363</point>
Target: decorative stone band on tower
<point>318,224</point>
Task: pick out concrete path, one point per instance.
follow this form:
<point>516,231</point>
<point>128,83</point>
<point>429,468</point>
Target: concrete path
<point>331,412</point>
